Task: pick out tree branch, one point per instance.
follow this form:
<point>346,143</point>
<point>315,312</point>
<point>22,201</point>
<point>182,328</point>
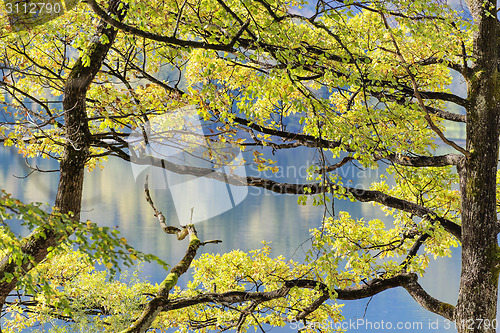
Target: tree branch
<point>305,189</point>
<point>181,234</point>
<point>373,287</point>
<point>315,142</point>
<point>460,118</point>
<point>419,95</point>
<point>421,161</point>
<point>428,302</point>
<point>152,36</point>
<point>154,307</point>
<point>414,249</point>
<point>36,245</point>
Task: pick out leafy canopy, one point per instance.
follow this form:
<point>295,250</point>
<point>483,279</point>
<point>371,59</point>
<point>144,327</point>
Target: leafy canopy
<point>358,83</point>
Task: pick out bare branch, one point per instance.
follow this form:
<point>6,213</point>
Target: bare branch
<point>181,234</point>
<point>428,302</point>
<point>308,189</point>
<point>421,161</point>
<point>154,307</point>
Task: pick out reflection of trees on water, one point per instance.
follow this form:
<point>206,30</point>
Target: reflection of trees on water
<point>262,216</point>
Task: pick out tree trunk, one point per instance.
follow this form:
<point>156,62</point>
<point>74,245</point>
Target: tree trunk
<point>477,302</point>
<point>75,156</point>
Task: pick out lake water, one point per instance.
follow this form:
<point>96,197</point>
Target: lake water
<point>112,197</point>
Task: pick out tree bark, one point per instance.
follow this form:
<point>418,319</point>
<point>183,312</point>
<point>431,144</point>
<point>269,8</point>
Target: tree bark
<point>477,302</point>
<point>75,155</point>
<point>157,304</point>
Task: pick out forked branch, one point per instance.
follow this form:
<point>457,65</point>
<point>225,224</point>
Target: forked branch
<point>155,306</point>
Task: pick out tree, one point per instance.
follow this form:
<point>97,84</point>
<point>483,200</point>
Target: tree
<point>361,83</point>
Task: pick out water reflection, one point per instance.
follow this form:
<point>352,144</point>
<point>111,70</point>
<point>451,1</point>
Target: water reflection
<point>112,198</point>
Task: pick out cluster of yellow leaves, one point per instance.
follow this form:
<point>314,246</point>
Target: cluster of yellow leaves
<point>253,271</point>
<point>435,188</point>
<point>347,251</point>
<point>264,86</point>
<point>78,288</point>
<point>353,250</point>
<point>98,304</point>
